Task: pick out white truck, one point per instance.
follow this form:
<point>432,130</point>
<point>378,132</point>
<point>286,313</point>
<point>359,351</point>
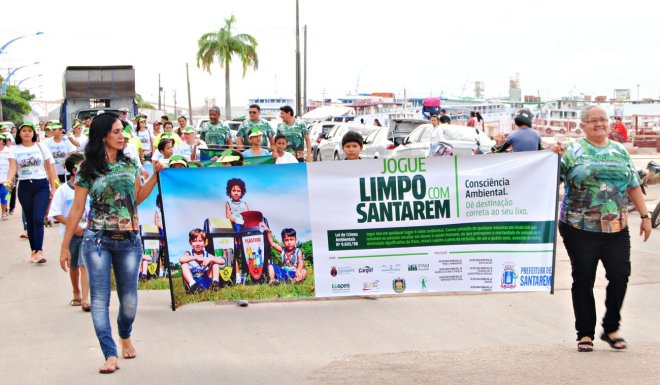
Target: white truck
<point>90,89</point>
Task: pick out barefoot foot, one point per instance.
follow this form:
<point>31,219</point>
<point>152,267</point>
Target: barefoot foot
<point>110,366</point>
<point>127,349</point>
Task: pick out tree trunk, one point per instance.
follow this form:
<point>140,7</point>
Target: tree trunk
<point>227,94</point>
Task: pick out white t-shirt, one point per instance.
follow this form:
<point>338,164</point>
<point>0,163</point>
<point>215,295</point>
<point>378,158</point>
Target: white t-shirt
<point>30,162</point>
<point>132,152</point>
<point>286,158</point>
<point>146,140</point>
<point>437,134</point>
<point>185,149</point>
<point>4,164</point>
<point>60,151</point>
<point>61,205</point>
<point>82,139</point>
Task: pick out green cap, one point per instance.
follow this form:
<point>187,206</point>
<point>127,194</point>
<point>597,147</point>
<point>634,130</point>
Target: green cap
<point>76,125</point>
<point>255,131</point>
<point>228,156</point>
<point>127,128</point>
<point>56,126</point>
<point>188,130</point>
<point>141,119</point>
<point>29,124</point>
<point>126,135</point>
<point>178,159</point>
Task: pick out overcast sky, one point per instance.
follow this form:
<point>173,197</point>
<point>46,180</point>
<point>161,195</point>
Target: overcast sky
<point>426,47</point>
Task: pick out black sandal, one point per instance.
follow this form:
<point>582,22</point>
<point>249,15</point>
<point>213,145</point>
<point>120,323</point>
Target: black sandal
<point>585,346</point>
<point>614,341</point>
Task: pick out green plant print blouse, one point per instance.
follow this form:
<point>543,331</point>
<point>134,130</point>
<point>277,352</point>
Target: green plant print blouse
<point>112,196</point>
<point>595,184</point>
<point>295,136</point>
<point>218,133</point>
<point>264,127</point>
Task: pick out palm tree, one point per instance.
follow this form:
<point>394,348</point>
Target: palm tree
<point>224,45</point>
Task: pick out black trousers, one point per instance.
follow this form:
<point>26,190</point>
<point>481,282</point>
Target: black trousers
<point>585,249</point>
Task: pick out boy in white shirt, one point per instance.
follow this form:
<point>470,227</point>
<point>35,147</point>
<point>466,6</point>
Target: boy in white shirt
<point>59,210</point>
<point>281,156</point>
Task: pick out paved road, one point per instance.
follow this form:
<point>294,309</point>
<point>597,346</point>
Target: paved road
<point>516,338</point>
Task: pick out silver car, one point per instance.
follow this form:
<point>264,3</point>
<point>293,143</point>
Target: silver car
<point>330,146</point>
<point>377,145</point>
<point>464,140</point>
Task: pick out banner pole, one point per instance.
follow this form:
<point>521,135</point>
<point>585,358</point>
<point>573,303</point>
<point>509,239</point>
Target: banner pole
<point>165,250</point>
<point>554,243</point>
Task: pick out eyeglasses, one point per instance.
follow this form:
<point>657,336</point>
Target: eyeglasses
<point>253,112</point>
<point>596,121</point>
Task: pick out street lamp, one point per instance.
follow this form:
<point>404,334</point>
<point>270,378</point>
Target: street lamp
<point>6,82</point>
<point>16,38</point>
<point>27,78</point>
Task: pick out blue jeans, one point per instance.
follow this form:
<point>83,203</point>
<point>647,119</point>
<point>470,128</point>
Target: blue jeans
<point>99,254</point>
<point>34,197</point>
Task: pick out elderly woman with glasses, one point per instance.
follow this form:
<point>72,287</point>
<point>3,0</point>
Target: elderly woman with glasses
<point>598,177</point>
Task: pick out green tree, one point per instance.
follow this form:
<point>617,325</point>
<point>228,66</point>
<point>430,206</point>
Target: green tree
<point>15,104</point>
<point>142,104</point>
<point>222,45</point>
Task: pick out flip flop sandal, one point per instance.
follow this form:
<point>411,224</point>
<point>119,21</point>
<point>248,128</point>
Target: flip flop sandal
<point>585,346</point>
<point>613,341</point>
<point>75,302</point>
<point>86,307</point>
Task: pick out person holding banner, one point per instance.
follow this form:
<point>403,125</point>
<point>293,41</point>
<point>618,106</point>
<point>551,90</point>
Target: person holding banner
<point>111,240</point>
<point>598,174</point>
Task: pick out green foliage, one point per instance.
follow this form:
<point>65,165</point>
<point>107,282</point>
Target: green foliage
<point>142,104</point>
<point>15,104</point>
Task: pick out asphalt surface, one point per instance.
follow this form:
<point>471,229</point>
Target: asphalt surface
<point>514,338</point>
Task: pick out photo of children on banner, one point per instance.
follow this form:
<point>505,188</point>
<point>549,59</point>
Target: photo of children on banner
<point>200,269</point>
<point>292,258</point>
<point>153,264</point>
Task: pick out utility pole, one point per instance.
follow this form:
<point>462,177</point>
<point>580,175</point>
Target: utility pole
<point>298,96</point>
<point>160,89</point>
<point>305,73</point>
<point>189,100</point>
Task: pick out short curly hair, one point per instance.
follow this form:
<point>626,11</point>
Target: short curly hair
<point>236,182</point>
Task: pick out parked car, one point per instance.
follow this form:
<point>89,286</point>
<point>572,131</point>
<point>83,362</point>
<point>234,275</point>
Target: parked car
<point>464,140</point>
<point>318,131</point>
<point>400,128</point>
<point>330,147</point>
<point>377,145</point>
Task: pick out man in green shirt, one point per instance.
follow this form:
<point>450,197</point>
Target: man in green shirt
<point>254,120</point>
<point>295,133</point>
<point>215,132</point>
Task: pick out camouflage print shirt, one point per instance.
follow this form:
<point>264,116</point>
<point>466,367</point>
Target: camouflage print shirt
<point>295,136</point>
<point>595,183</point>
<point>264,127</point>
<point>112,195</point>
<point>218,133</point>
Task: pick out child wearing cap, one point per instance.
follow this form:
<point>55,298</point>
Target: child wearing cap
<point>256,139</point>
<point>352,143</point>
<point>229,158</point>
<point>145,138</point>
<point>178,161</point>
<point>4,171</point>
<point>190,148</point>
<point>60,147</point>
<point>59,210</point>
<point>77,137</point>
<point>279,154</point>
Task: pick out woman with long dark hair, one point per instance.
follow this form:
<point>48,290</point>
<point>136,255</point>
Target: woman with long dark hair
<point>111,239</point>
<point>36,184</point>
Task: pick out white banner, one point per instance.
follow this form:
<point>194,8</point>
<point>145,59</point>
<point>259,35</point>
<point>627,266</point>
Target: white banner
<point>475,223</point>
